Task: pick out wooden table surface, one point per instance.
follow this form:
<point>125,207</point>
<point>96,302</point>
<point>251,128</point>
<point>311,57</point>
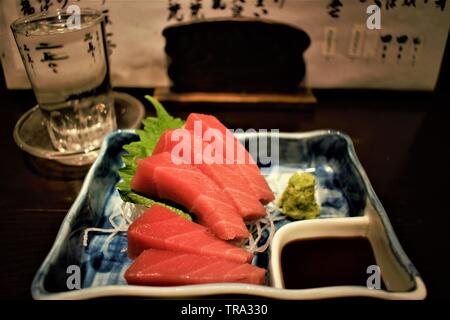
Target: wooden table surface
<point>400,138</point>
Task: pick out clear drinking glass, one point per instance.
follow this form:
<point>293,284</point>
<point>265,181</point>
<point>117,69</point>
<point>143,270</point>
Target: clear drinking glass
<point>66,61</point>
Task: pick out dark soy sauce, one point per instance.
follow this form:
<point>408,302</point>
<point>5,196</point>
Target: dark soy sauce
<point>324,262</point>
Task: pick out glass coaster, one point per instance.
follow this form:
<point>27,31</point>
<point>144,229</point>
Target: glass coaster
<point>30,132</point>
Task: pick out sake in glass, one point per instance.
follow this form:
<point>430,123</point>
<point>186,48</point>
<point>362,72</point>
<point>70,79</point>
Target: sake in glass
<point>66,59</point>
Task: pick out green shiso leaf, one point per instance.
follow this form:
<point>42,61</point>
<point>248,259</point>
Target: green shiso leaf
<point>154,127</point>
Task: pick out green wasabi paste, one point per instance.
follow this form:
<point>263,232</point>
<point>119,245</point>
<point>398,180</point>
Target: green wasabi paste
<point>298,201</point>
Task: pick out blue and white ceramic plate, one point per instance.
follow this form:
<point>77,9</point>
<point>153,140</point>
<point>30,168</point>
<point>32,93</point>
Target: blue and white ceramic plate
<point>349,207</point>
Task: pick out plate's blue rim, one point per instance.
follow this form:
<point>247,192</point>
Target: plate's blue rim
<point>396,247</point>
<point>37,287</point>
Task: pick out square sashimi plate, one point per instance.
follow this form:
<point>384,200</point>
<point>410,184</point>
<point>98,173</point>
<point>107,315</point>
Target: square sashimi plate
<point>348,204</point>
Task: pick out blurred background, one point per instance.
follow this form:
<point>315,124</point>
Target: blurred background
<point>406,51</point>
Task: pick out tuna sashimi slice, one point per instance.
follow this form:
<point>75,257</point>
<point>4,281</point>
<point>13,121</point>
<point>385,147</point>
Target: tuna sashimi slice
<point>235,186</point>
<point>256,182</point>
<point>233,151</point>
<point>227,176</point>
<point>161,228</point>
<point>246,164</point>
<point>158,176</point>
<point>170,268</point>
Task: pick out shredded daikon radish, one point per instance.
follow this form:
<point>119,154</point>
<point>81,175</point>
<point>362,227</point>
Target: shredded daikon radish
<point>258,237</point>
<point>124,214</point>
<point>129,212</point>
<point>251,240</point>
<point>258,227</point>
<point>102,230</point>
<point>116,228</point>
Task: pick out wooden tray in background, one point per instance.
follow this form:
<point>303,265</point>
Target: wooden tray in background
<point>302,98</point>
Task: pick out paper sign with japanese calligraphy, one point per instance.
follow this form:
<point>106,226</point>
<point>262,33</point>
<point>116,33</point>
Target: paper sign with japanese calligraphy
<point>405,52</point>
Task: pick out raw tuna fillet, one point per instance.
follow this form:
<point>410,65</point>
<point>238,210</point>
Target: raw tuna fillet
<point>234,149</point>
<point>227,176</point>
<point>235,186</point>
<point>158,176</point>
<point>257,183</point>
<point>161,228</point>
<point>169,268</point>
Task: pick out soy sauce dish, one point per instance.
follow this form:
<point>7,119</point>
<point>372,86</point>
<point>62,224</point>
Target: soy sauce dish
<point>343,257</point>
